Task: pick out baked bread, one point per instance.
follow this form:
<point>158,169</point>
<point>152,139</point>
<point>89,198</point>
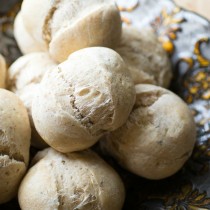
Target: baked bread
<point>2,72</point>
<point>25,41</point>
<point>15,136</point>
<point>65,26</point>
<point>24,76</point>
<point>83,98</point>
<point>158,137</point>
<point>145,57</point>
<point>79,180</point>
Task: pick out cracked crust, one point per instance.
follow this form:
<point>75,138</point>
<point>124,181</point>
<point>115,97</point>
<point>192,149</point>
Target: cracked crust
<point>82,33</point>
<point>2,72</point>
<point>24,75</point>
<point>67,26</point>
<point>11,173</point>
<point>147,61</point>
<point>46,28</point>
<point>78,181</point>
<point>29,69</point>
<point>158,136</point>
<point>73,109</point>
<point>11,151</point>
<point>14,144</point>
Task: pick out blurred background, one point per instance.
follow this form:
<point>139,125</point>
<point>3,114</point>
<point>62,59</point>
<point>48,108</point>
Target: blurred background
<point>200,6</point>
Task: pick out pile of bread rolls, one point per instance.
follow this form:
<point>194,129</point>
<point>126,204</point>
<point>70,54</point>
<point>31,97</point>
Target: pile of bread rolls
<point>84,76</point>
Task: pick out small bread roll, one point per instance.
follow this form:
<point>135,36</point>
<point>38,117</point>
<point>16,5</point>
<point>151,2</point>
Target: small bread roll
<point>2,72</point>
<point>23,78</point>
<point>147,61</point>
<point>158,137</point>
<point>25,41</point>
<point>26,95</point>
<point>29,69</point>
<point>67,26</point>
<point>77,181</point>
<point>15,136</point>
<point>83,98</point>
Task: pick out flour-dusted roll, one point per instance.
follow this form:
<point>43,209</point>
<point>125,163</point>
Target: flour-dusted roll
<point>24,75</point>
<point>15,136</point>
<point>2,72</point>
<point>26,95</point>
<point>147,61</point>
<point>83,98</point>
<point>25,41</point>
<point>79,180</point>
<point>158,137</point>
<point>66,26</point>
<point>29,69</point>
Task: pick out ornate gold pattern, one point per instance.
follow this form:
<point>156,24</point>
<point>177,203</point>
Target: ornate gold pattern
<point>168,26</point>
<point>169,18</point>
<point>197,86</point>
<point>128,9</point>
<point>188,199</point>
<point>126,20</point>
<point>203,62</point>
<point>189,61</point>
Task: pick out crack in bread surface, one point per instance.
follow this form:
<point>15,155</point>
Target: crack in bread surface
<point>6,151</point>
<point>84,120</point>
<point>46,29</point>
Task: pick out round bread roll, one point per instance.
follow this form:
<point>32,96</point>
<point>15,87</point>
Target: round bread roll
<point>83,98</point>
<point>77,181</point>
<point>24,75</point>
<point>66,26</point>
<point>25,41</point>
<point>29,69</point>
<point>26,95</point>
<point>146,59</point>
<point>158,137</point>
<point>15,136</point>
<point>2,72</point>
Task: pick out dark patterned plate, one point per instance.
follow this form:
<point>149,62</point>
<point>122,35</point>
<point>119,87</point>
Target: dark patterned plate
<point>186,38</point>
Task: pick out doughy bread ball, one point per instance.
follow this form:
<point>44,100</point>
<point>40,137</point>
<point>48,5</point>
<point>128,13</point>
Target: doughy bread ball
<point>147,61</point>
<point>24,75</point>
<point>2,72</point>
<point>158,137</point>
<point>66,26</point>
<point>26,95</point>
<point>25,41</point>
<point>29,69</point>
<point>83,98</point>
<point>15,136</point>
<point>71,181</point>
